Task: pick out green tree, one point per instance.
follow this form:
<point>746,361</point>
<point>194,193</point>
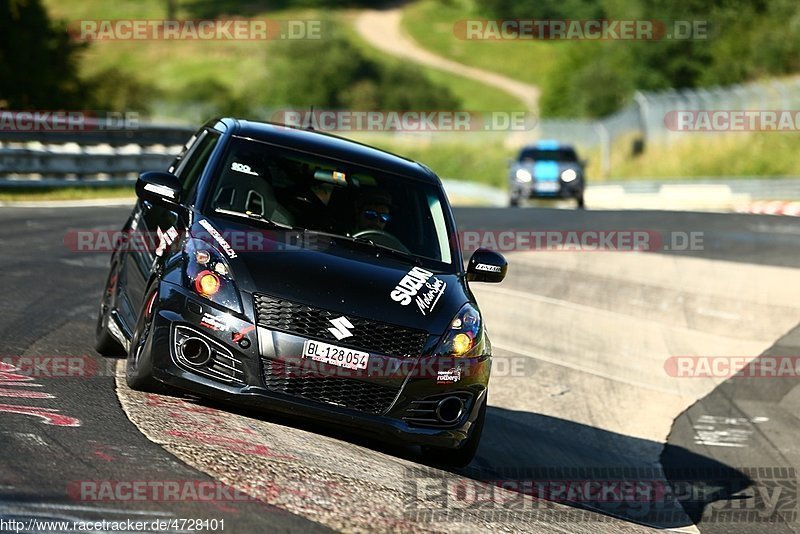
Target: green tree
<point>542,9</point>
<point>746,40</point>
<point>335,73</point>
<point>319,72</point>
<point>113,89</point>
<point>38,61</point>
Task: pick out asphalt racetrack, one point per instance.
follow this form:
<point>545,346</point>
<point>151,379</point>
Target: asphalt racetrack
<point>586,393</point>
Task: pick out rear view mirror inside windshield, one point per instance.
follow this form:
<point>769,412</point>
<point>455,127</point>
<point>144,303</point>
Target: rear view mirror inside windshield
<point>331,177</point>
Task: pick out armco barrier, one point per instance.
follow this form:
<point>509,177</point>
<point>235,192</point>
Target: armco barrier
<point>95,156</point>
<point>95,133</point>
<point>47,163</point>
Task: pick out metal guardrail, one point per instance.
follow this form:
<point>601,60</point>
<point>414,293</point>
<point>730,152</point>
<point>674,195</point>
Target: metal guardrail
<point>645,119</point>
<point>102,155</point>
<point>27,161</point>
<point>95,133</point>
<point>96,155</point>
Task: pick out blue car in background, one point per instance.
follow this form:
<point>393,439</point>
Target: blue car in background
<point>547,169</point>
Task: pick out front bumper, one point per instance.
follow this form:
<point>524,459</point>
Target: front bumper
<point>535,189</point>
<point>254,354</point>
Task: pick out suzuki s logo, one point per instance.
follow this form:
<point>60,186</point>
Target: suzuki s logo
<point>340,328</point>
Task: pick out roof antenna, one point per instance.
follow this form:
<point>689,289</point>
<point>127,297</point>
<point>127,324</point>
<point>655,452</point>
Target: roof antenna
<point>309,124</point>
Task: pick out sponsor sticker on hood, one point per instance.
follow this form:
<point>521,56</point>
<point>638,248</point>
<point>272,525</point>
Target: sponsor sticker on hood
<point>218,238</point>
<point>421,287</point>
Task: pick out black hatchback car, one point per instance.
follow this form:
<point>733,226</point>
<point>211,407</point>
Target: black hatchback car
<point>308,274</point>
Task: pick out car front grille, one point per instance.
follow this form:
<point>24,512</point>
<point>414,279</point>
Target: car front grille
<point>347,392</point>
<point>311,322</point>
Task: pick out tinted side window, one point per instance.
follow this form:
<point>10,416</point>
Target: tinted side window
<point>179,158</point>
<point>191,168</point>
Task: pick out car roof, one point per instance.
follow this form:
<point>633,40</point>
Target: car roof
<point>547,144</point>
<point>327,145</point>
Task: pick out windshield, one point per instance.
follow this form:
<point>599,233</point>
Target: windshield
<point>561,154</point>
<point>325,195</point>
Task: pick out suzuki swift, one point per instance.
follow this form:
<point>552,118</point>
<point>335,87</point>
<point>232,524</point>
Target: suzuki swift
<point>289,270</point>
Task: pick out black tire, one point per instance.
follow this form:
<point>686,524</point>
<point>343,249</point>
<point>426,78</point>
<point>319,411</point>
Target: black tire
<point>579,199</point>
<point>139,366</point>
<point>462,456</point>
<point>104,342</point>
<point>513,202</point>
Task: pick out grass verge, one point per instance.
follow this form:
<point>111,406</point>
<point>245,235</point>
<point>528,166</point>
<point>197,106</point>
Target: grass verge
<point>474,96</point>
<point>431,24</point>
<point>761,154</point>
<point>172,69</point>
<point>471,162</point>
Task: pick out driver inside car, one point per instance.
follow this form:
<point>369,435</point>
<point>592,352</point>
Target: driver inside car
<point>373,210</point>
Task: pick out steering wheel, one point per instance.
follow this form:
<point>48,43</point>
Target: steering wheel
<point>382,237</point>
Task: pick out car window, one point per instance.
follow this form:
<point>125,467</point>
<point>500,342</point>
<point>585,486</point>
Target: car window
<point>564,154</point>
<point>182,154</point>
<point>327,195</point>
<point>191,168</point>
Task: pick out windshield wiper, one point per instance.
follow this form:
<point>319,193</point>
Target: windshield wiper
<point>257,217</point>
<point>393,251</point>
<point>407,256</point>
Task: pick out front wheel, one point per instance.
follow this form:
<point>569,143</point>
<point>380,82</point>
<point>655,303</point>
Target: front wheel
<point>462,456</point>
<point>139,366</point>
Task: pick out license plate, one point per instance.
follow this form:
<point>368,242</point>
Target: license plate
<point>333,355</point>
<point>546,187</point>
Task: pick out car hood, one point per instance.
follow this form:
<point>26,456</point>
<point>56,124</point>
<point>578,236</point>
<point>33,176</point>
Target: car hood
<point>349,279</point>
<point>549,169</point>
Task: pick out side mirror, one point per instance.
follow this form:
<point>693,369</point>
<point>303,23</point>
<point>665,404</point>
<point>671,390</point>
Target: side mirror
<point>160,188</point>
<point>486,266</point>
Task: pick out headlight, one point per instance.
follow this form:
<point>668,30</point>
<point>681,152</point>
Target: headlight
<point>464,336</point>
<point>523,175</point>
<point>569,175</point>
<point>209,275</point>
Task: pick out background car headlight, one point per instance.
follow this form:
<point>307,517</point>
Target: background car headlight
<point>208,274</point>
<point>523,175</point>
<point>568,175</point>
<point>464,336</point>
